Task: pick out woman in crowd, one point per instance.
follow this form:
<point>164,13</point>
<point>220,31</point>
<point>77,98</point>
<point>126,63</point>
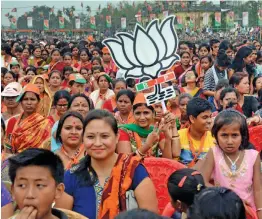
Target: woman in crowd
<point>6,55</point>
<point>183,99</point>
<point>258,66</point>
<point>60,103</point>
<point>55,81</point>
<point>104,179</point>
<point>257,84</point>
<point>111,104</point>
<point>107,62</point>
<point>30,73</point>
<point>246,104</point>
<point>67,70</point>
<point>75,54</point>
<point>80,103</point>
<point>84,60</point>
<point>69,134</point>
<point>9,94</point>
<point>9,77</point>
<point>45,103</point>
<point>103,93</point>
<point>124,103</point>
<point>56,61</point>
<point>184,64</point>
<point>172,104</point>
<point>86,73</point>
<point>191,88</point>
<point>143,138</point>
<point>36,60</point>
<point>242,59</point>
<point>30,129</point>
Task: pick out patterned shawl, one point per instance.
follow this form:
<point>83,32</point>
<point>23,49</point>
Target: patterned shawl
<point>114,194</point>
<point>32,132</point>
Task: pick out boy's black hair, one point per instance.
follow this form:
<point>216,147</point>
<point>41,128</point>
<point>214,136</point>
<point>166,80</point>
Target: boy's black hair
<point>196,106</point>
<point>227,117</point>
<point>138,214</point>
<point>37,157</point>
<point>192,185</point>
<point>217,203</point>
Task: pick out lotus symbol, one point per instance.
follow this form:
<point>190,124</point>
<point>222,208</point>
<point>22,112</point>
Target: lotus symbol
<point>148,51</point>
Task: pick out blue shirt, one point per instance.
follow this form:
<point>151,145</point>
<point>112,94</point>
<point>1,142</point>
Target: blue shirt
<point>85,197</point>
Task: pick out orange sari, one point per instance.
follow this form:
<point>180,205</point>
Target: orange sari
<point>31,132</point>
<point>114,193</point>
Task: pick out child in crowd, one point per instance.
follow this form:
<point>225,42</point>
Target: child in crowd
<point>234,166</point>
<point>217,203</point>
<point>37,180</point>
<point>182,186</point>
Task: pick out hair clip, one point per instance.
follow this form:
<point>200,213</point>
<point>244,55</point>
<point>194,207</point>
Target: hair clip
<point>182,181</point>
<point>199,187</point>
<point>195,173</point>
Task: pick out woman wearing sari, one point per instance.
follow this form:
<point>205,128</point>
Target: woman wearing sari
<point>143,138</point>
<point>84,60</point>
<point>30,129</point>
<point>103,93</point>
<point>69,134</point>
<point>191,88</point>
<point>124,102</point>
<point>106,182</point>
<point>36,60</point>
<point>45,103</point>
<point>111,105</point>
<point>75,54</point>
<point>56,61</point>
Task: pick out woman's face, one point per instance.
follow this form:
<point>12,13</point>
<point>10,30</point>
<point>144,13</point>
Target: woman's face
<point>183,104</point>
<point>71,132</point>
<point>174,101</point>
<point>8,78</point>
<point>66,74</point>
<point>37,53</point>
<point>106,57</point>
<point>84,56</point>
<point>143,116</point>
<point>159,111</point>
<point>96,63</point>
<point>56,56</point>
<point>39,82</point>
<point>44,55</point>
<point>10,102</point>
<point>95,54</point>
<point>195,60</point>
<point>259,83</point>
<point>248,59</point>
<point>103,83</point>
<point>203,52</point>
<point>30,74</point>
<point>254,56</point>
<point>80,105</point>
<point>67,60</point>
<point>124,104</point>
<point>55,80</point>
<point>85,74</point>
<point>75,52</point>
<point>185,59</point>
<point>230,97</point>
<point>205,64</point>
<point>99,139</point>
<point>230,53</point>
<point>29,103</point>
<point>243,87</point>
<point>25,53</point>
<point>119,86</point>
<point>61,106</point>
<point>257,45</point>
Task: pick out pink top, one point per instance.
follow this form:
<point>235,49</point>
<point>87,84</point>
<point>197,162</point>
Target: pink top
<point>242,182</point>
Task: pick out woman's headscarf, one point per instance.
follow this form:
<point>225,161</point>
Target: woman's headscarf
<point>45,103</point>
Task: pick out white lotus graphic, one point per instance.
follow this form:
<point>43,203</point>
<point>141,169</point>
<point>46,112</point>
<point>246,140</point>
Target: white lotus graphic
<point>148,51</point>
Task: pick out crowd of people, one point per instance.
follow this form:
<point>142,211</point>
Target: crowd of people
<point>75,133</point>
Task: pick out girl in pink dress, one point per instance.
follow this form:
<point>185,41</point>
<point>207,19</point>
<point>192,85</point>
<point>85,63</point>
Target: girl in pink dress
<point>231,163</point>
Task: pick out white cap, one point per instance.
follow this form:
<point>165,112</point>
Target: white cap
<point>13,89</point>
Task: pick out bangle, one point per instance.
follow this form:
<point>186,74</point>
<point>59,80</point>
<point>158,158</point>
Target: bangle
<point>175,136</point>
<point>259,209</point>
<point>140,153</point>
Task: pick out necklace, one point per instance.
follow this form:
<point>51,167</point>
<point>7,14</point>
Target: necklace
<point>233,164</point>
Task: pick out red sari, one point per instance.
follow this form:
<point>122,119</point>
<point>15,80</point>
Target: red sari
<point>59,66</point>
